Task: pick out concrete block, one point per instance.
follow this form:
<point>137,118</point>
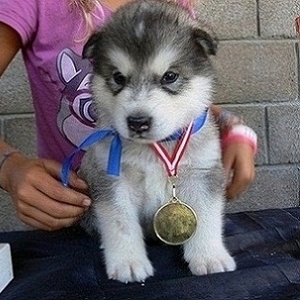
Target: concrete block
<point>256,71</point>
<point>277,18</point>
<point>14,86</point>
<point>20,133</point>
<point>284,133</point>
<point>230,19</point>
<point>273,187</point>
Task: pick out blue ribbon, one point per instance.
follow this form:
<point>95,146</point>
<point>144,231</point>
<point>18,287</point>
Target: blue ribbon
<point>197,125</point>
<point>115,151</point>
<point>114,159</point>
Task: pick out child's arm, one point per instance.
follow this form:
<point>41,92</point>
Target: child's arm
<point>239,145</point>
<point>10,44</point>
<point>33,184</point>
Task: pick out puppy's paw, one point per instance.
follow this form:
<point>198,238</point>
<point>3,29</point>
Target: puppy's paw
<point>130,269</point>
<point>216,262</point>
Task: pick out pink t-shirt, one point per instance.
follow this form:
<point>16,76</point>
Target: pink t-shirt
<point>52,34</point>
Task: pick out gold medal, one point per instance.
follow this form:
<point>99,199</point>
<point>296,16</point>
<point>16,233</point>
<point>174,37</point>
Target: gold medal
<point>175,222</point>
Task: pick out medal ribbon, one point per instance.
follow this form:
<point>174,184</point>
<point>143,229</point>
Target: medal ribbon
<point>171,162</point>
<point>115,153</point>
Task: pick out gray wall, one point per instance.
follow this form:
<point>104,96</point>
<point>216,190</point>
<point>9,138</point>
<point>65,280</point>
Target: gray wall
<point>258,71</point>
<point>258,68</point>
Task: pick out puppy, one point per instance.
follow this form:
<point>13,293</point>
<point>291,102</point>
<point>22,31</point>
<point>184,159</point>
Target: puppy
<point>153,78</point>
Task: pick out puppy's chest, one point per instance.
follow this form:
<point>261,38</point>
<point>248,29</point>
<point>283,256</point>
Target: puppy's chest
<point>145,158</point>
<point>154,183</point>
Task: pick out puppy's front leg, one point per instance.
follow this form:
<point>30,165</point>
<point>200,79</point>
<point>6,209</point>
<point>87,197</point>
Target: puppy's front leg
<point>122,237</point>
<point>206,252</point>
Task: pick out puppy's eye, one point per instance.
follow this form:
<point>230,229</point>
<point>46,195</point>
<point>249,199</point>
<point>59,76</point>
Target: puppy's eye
<point>119,78</point>
<point>169,77</point>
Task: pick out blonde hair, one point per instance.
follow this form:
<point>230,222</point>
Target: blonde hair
<point>87,8</point>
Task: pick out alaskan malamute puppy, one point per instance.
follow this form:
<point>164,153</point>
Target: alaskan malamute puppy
<point>152,88</point>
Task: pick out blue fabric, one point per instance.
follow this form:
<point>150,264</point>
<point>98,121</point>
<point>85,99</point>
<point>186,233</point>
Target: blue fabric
<point>68,264</point>
<point>115,151</point>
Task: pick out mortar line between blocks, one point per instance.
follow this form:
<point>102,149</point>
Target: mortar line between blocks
<point>258,18</point>
<point>298,66</point>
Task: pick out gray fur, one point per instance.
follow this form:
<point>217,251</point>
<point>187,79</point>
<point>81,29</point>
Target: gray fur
<point>152,38</point>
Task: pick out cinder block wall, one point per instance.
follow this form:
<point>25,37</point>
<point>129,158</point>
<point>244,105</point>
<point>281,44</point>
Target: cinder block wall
<point>258,69</point>
<point>258,78</point>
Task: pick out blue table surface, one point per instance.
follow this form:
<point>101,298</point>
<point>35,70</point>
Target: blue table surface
<point>68,264</point>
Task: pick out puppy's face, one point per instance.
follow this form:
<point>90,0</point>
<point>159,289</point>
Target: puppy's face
<point>152,75</point>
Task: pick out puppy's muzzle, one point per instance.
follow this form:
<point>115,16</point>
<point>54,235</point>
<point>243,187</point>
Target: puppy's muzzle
<point>139,124</point>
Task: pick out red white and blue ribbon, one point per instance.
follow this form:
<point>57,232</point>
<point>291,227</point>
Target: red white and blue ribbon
<point>171,162</point>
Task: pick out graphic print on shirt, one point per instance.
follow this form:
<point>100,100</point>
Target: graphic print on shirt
<point>76,117</point>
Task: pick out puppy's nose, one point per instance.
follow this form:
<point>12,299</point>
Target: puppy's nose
<point>139,124</point>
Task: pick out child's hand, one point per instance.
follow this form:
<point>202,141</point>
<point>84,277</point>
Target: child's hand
<point>238,161</point>
<point>40,199</point>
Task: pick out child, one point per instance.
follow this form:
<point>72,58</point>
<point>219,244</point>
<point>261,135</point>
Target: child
<point>51,37</point>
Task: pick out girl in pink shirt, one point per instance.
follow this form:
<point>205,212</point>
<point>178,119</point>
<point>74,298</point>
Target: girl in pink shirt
<point>51,37</point>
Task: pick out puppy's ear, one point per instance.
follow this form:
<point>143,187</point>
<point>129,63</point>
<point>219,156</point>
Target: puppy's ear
<point>89,47</point>
<point>206,41</point>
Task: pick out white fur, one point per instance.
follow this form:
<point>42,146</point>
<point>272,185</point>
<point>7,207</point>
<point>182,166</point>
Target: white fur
<point>140,190</point>
<point>140,29</point>
<point>124,206</point>
<point>122,60</point>
<point>161,61</point>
